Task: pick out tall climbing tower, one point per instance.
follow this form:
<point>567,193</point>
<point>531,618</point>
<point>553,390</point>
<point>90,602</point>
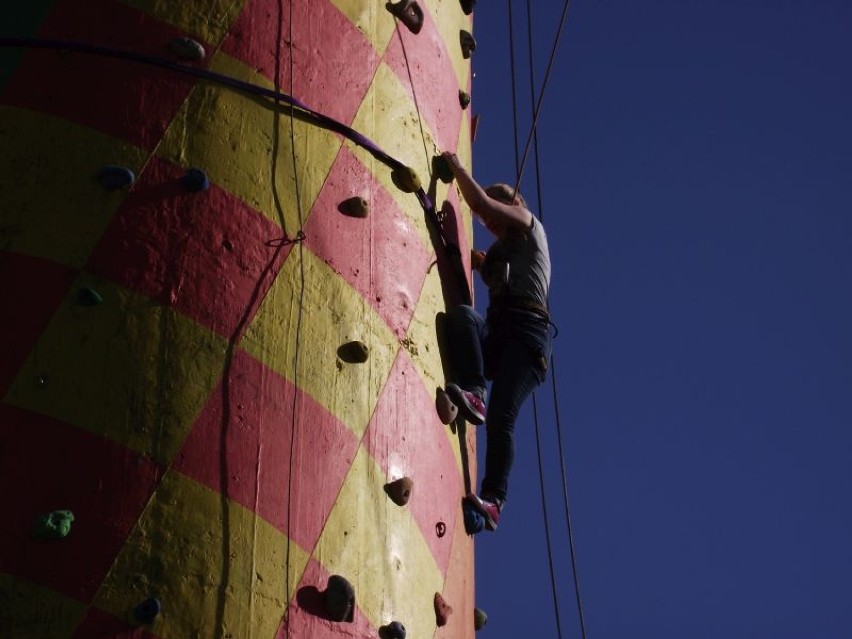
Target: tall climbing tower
<point>219,340</point>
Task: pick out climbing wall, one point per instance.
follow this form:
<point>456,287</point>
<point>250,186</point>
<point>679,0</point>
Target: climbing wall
<point>174,370</point>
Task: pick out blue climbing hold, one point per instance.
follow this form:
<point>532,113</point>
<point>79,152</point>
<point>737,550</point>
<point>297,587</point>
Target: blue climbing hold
<point>474,522</point>
<point>113,178</point>
<point>195,180</point>
<point>88,297</point>
<point>148,610</point>
<point>394,630</point>
<point>55,525</point>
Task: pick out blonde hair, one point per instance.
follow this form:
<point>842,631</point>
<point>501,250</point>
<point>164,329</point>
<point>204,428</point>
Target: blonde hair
<point>504,193</point>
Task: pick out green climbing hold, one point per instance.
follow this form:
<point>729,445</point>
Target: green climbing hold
<point>441,168</point>
<point>405,179</point>
<point>353,352</point>
<point>468,44</point>
<point>88,297</point>
<point>464,99</point>
<point>55,525</point>
<point>479,618</point>
<point>187,49</point>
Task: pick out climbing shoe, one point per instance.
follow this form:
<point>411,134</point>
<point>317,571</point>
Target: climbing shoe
<point>471,406</point>
<point>489,510</point>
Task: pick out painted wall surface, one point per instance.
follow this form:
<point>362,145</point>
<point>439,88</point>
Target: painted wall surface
<point>215,450</point>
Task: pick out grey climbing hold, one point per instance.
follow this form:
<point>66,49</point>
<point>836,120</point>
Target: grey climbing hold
<point>187,49</point>
<point>340,599</point>
<point>467,6</point>
<point>405,179</point>
<point>88,297</point>
<point>55,525</point>
<point>479,619</point>
<point>468,44</point>
<point>447,411</point>
<point>354,206</point>
<point>195,180</point>
<point>354,352</point>
<point>399,491</point>
<point>148,610</point>
<point>409,13</point>
<point>441,168</point>
<point>443,610</point>
<point>393,630</point>
<point>113,178</point>
<point>464,99</point>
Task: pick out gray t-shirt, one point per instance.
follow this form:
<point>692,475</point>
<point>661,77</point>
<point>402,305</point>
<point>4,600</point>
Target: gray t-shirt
<point>519,266</point>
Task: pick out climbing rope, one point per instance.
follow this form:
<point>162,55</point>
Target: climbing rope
<point>533,139</point>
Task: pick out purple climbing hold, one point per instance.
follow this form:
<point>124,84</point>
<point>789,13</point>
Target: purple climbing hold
<point>187,49</point>
<point>474,522</point>
<point>195,180</point>
<point>113,178</point>
<point>148,610</point>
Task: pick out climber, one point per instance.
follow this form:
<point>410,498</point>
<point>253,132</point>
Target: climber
<point>511,346</point>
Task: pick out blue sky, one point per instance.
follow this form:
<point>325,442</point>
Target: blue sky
<point>697,190</point>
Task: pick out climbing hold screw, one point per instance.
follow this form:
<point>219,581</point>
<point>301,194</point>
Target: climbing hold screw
<point>479,618</point>
<point>409,13</point>
<point>55,525</point>
<point>355,206</point>
<point>187,49</point>
<point>467,6</point>
<point>440,529</point>
<point>88,297</point>
<point>464,99</point>
<point>468,44</point>
<point>399,491</point>
<point>405,179</point>
<point>393,630</point>
<point>113,178</point>
<point>441,168</point>
<point>353,352</point>
<point>148,610</point>
<point>340,599</point>
<point>474,522</point>
<point>195,180</point>
<point>443,610</point>
<point>447,411</point>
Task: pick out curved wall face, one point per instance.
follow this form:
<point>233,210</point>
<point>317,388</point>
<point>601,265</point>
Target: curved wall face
<point>170,369</point>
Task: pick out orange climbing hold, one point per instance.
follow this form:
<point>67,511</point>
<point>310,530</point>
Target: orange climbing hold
<point>409,13</point>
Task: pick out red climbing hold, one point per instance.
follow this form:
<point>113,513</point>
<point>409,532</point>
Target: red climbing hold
<point>409,13</point>
<point>399,491</point>
<point>443,610</point>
